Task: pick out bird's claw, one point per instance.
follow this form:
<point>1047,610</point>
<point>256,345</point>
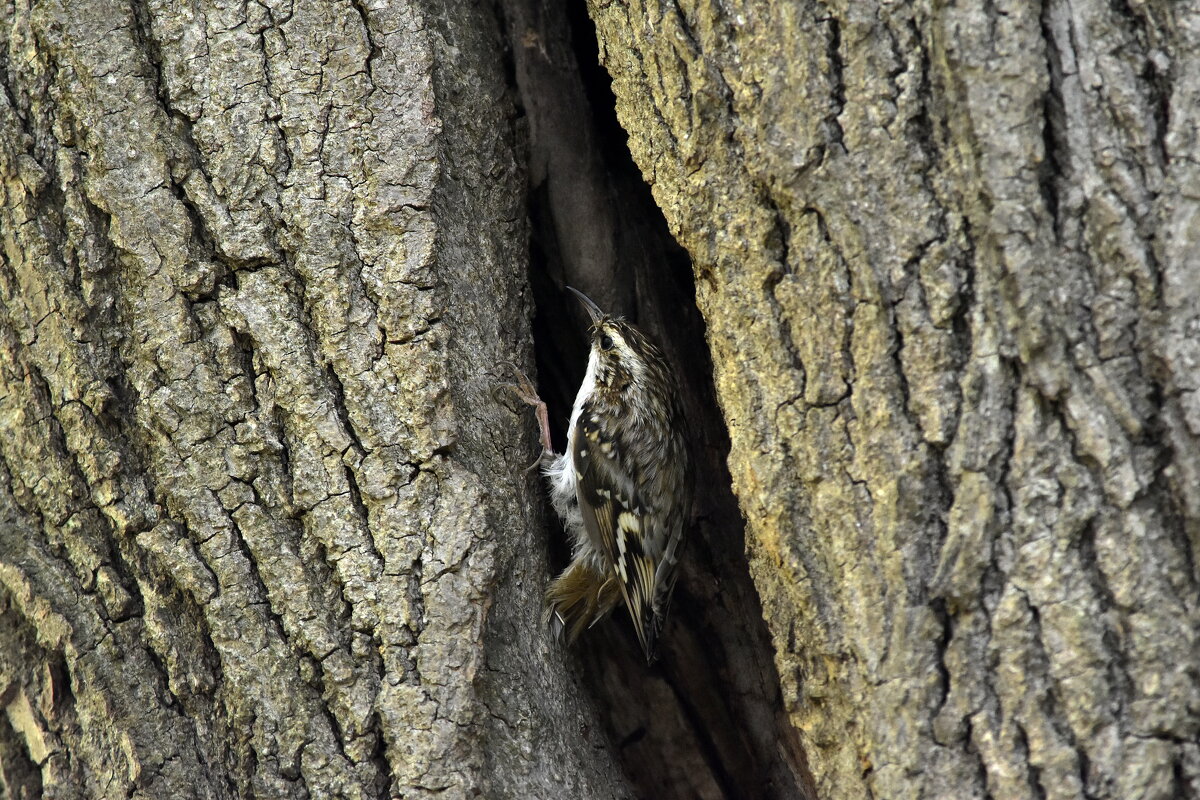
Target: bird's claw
<point>525,391</point>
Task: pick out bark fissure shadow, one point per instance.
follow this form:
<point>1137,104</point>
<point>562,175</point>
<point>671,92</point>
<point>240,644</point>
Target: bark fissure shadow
<point>708,719</point>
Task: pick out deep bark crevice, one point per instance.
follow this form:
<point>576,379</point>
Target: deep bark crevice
<point>706,720</point>
<point>1054,141</point>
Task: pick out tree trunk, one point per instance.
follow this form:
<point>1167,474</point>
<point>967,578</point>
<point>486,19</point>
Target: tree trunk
<point>264,530</point>
<point>949,260</point>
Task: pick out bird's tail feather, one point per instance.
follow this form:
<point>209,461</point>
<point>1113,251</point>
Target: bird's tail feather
<point>577,599</point>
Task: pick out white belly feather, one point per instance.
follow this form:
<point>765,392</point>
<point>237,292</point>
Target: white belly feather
<point>564,479</point>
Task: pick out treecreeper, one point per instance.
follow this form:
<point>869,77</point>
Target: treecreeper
<point>622,487</point>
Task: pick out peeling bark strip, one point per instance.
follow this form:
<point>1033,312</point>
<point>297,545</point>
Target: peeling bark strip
<point>262,530</point>
<point>948,256</point>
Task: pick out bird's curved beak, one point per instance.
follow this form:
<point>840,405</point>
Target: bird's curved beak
<point>593,310</point>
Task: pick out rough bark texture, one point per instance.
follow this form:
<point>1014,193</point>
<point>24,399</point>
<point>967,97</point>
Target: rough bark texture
<point>949,259</point>
<point>263,526</point>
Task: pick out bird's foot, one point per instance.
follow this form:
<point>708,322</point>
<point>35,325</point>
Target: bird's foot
<point>526,392</point>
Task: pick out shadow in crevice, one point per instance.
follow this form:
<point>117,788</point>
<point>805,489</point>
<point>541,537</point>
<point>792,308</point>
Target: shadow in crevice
<point>707,720</point>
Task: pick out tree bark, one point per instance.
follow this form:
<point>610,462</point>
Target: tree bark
<point>264,530</point>
<point>948,258</point>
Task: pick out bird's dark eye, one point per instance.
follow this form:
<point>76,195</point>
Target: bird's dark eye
<point>606,342</point>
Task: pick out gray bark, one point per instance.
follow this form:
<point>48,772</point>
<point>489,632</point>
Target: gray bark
<point>263,525</point>
<point>949,260</point>
<point>264,530</point>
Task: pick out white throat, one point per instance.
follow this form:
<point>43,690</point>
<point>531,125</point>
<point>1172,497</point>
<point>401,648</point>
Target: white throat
<point>585,391</point>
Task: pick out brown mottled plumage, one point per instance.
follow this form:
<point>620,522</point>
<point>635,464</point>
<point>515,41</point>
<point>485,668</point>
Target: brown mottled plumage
<point>623,488</point>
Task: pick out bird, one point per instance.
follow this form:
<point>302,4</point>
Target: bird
<point>622,487</point>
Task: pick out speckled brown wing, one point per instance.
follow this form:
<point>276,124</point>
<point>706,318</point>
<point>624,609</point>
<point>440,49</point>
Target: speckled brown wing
<point>621,525</point>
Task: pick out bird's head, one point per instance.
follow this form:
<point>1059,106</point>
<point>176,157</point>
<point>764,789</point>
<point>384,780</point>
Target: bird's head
<point>622,355</point>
